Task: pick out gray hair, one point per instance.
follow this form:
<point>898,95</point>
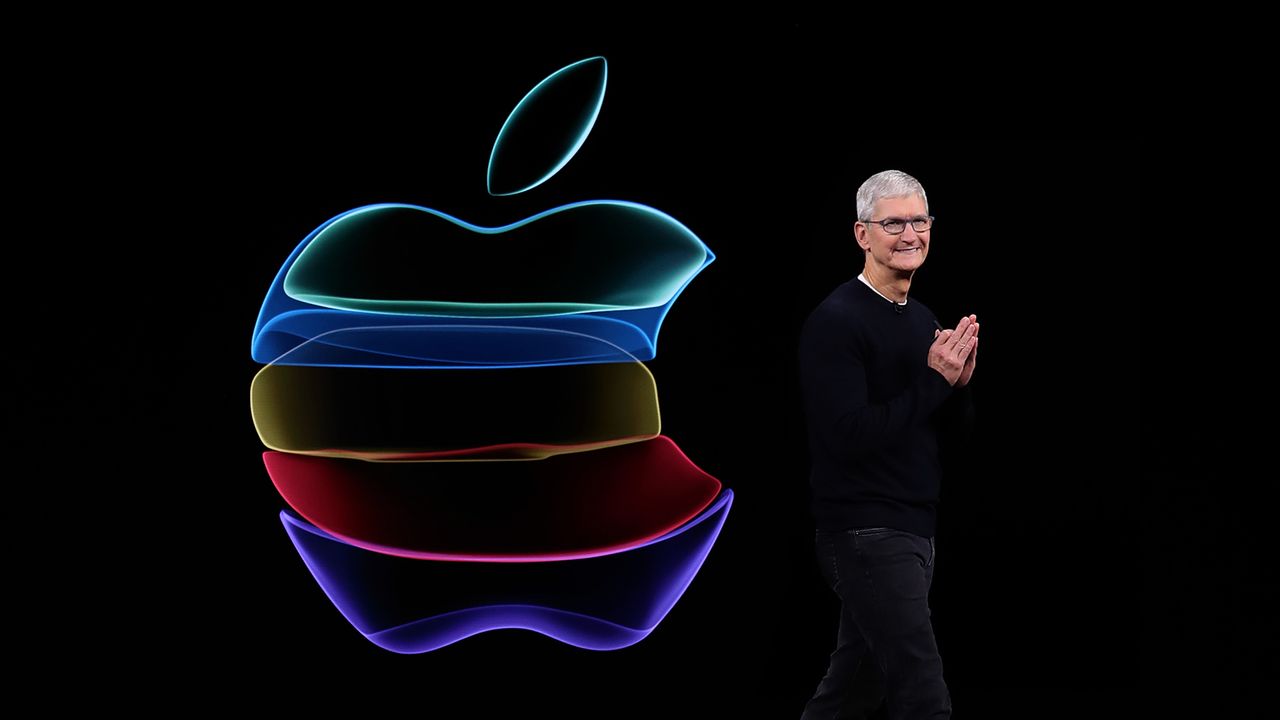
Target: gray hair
<point>887,184</point>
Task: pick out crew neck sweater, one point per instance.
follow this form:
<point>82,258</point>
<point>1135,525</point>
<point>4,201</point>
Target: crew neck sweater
<point>871,403</point>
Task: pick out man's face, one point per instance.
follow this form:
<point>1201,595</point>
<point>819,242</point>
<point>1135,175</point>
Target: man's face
<point>904,252</point>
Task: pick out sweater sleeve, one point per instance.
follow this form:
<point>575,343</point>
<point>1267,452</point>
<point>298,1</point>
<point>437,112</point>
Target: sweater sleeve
<point>957,422</point>
<point>834,386</point>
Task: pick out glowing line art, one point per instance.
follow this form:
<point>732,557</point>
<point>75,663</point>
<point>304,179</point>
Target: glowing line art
<point>633,332</point>
<point>547,127</point>
<point>409,353</point>
<point>453,346</point>
<point>417,414</point>
<point>600,603</point>
<point>331,291</point>
<point>570,506</point>
<point>584,257</point>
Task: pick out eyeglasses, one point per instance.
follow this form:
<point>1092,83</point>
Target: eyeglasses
<point>897,226</point>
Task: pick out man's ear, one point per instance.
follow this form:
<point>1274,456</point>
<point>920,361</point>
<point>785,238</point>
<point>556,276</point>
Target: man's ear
<point>860,234</point>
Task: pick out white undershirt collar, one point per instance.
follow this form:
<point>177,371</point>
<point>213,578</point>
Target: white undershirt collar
<point>863,278</point>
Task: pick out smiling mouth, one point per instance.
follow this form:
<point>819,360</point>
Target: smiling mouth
<point>910,249</point>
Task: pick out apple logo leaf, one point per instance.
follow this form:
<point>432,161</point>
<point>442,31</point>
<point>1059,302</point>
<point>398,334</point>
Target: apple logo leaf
<point>547,127</point>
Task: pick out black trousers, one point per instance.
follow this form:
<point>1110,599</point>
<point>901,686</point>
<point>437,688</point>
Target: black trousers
<point>885,651</point>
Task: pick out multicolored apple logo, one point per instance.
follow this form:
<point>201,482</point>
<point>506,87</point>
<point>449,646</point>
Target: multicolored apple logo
<point>459,416</point>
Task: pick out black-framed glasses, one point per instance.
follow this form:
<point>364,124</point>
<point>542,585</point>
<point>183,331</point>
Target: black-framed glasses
<point>897,226</point>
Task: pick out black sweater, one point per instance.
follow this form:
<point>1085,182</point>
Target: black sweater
<point>871,403</point>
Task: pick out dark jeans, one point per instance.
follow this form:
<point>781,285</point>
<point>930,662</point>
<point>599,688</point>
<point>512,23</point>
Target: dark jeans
<point>885,651</point>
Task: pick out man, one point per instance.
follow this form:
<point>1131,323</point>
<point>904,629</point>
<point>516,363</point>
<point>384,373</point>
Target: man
<point>876,370</point>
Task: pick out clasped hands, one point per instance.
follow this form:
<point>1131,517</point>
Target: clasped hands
<point>954,353</point>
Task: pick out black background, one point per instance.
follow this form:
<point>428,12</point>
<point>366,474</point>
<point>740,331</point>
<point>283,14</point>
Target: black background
<point>757,143</point>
